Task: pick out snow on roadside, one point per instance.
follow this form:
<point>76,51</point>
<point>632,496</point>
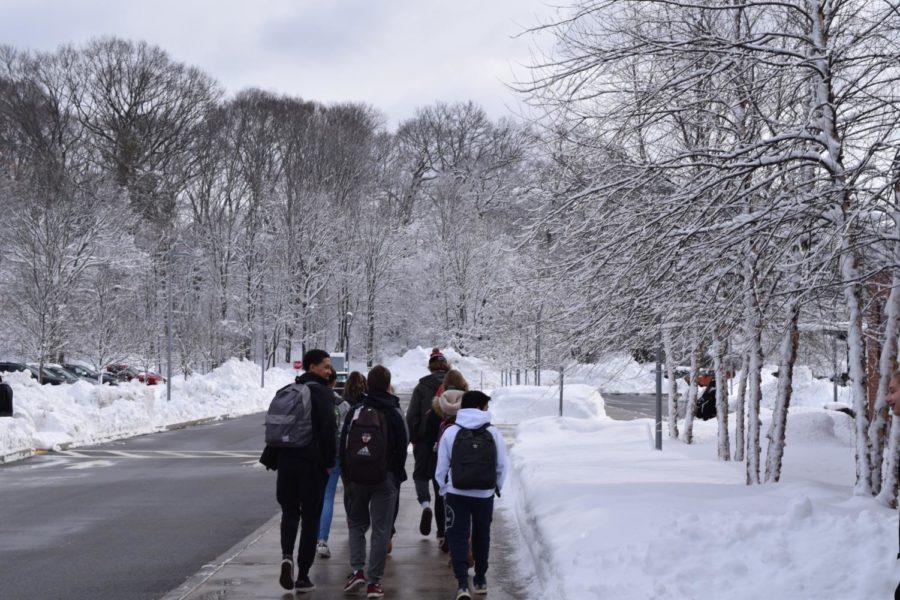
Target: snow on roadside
<point>82,413</point>
<point>408,369</point>
<point>602,515</point>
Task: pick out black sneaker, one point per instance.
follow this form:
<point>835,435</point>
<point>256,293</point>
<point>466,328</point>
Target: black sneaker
<point>425,523</point>
<point>479,587</point>
<point>304,585</point>
<point>287,574</point>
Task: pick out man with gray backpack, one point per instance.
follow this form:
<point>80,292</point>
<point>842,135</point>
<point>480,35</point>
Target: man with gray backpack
<point>300,434</point>
<point>471,468</point>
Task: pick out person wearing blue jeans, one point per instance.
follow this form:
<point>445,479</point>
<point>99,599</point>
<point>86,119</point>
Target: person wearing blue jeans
<point>341,408</point>
<point>469,509</point>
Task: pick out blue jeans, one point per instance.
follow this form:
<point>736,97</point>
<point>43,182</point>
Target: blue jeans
<point>328,505</point>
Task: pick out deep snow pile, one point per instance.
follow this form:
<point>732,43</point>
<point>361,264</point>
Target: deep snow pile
<point>406,370</point>
<point>602,515</point>
<point>510,405</point>
<point>83,413</point>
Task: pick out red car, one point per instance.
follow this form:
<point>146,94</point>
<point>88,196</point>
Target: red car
<point>126,373</point>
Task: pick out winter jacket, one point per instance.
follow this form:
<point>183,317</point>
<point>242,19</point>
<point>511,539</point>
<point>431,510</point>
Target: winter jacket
<point>6,400</point>
<point>323,451</point>
<point>432,428</point>
<point>341,408</point>
<point>398,437</point>
<point>470,418</point>
<point>420,403</point>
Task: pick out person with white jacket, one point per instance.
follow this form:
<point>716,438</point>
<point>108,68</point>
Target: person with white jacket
<point>471,468</point>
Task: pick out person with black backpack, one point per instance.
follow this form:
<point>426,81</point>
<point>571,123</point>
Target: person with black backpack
<point>373,455</point>
<point>471,468</point>
<point>301,434</point>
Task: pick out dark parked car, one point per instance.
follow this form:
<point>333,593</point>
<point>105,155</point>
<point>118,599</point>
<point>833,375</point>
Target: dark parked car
<point>90,374</point>
<point>64,374</point>
<point>49,378</point>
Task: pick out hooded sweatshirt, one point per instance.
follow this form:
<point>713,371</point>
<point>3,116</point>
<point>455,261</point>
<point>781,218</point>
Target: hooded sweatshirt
<point>469,418</point>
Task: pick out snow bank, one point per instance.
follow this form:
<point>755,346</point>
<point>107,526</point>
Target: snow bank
<point>511,405</point>
<point>807,390</point>
<point>604,516</point>
<point>408,369</point>
<point>82,413</point>
<point>616,373</point>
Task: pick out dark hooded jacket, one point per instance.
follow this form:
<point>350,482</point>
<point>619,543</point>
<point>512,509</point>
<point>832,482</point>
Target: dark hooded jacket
<point>416,414</point>
<point>322,451</point>
<point>398,438</point>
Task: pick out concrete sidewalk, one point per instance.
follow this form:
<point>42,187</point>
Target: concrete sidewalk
<point>416,569</point>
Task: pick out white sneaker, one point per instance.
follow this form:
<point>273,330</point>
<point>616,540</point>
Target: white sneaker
<point>463,594</point>
<point>322,549</point>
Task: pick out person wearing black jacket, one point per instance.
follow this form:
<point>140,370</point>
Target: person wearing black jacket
<point>6,399</point>
<point>419,405</point>
<point>374,504</point>
<point>303,474</point>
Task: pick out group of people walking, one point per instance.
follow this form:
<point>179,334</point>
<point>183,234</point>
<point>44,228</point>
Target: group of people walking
<point>316,438</point>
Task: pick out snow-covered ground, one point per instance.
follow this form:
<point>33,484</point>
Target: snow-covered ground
<point>619,373</point>
<point>512,405</point>
<point>602,515</point>
<point>83,413</point>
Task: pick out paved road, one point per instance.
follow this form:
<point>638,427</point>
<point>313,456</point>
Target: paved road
<point>132,519</point>
<point>627,407</point>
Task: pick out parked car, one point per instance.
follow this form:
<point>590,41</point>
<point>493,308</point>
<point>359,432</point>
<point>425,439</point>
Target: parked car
<point>126,373</point>
<point>47,377</point>
<point>61,372</point>
<point>89,374</point>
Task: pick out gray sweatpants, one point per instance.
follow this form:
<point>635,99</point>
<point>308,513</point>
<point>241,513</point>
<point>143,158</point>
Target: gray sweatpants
<point>371,505</point>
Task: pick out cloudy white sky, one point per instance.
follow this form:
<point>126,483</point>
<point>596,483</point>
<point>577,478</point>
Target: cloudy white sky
<point>393,54</point>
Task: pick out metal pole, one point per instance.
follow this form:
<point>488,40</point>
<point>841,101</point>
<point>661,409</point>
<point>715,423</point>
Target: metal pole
<point>658,396</point>
<point>537,347</point>
<point>169,328</point>
<point>264,347</point>
<point>561,374</point>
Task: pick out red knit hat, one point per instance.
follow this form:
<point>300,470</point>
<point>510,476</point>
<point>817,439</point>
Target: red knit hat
<point>436,356</point>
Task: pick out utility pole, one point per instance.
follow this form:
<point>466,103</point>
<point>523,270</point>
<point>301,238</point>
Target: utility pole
<point>561,375</point>
<point>537,346</point>
<point>347,341</point>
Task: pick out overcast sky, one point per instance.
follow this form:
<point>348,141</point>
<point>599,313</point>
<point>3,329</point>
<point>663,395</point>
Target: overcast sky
<point>393,54</point>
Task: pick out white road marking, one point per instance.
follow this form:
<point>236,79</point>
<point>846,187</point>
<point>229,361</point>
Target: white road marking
<point>90,464</point>
<point>154,454</point>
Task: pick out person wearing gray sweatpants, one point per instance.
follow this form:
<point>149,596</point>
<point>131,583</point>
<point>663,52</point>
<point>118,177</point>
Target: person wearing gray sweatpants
<point>373,454</point>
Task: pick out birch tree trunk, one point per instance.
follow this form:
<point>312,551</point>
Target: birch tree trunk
<point>888,493</point>
<point>778,427</point>
<point>691,404</point>
<point>673,385</point>
<point>878,429</point>
<point>739,431</point>
<point>754,352</point>
<point>724,446</point>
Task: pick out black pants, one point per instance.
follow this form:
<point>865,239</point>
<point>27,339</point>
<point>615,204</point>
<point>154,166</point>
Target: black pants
<point>439,514</point>
<point>465,516</point>
<point>300,492</point>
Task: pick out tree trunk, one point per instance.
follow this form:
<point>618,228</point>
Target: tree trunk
<point>724,445</point>
<point>739,432</point>
<point>691,405</point>
<point>878,429</point>
<point>754,351</point>
<point>673,385</point>
<point>778,427</point>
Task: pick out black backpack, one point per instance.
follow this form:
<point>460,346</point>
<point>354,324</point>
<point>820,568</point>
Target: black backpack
<point>366,455</point>
<point>473,460</point>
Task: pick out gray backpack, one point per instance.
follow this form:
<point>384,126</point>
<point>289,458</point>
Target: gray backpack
<point>289,419</point>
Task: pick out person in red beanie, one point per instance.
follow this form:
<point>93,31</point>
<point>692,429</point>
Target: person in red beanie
<point>419,405</point>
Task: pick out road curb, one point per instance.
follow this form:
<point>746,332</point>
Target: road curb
<point>208,570</point>
<point>17,455</point>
